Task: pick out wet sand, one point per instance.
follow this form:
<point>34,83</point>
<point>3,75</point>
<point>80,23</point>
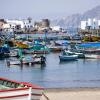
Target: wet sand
<point>72,94</point>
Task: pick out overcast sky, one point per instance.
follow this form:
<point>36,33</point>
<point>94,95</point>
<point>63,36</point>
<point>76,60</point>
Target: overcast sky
<point>38,9</point>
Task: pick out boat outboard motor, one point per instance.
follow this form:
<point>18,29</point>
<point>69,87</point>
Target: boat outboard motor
<point>43,59</point>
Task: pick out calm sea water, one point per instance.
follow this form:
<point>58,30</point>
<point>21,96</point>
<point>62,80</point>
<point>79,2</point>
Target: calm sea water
<point>80,73</point>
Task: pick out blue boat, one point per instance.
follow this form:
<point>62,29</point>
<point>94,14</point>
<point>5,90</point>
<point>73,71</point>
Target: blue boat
<point>67,56</point>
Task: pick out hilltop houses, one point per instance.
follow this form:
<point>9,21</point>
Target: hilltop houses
<point>26,26</point>
<point>15,25</point>
<point>90,26</point>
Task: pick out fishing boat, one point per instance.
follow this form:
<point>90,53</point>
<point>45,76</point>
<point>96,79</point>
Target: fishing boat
<point>22,45</point>
<point>80,54</point>
<point>65,56</point>
<point>36,49</point>
<point>92,56</point>
<point>91,50</point>
<point>90,47</point>
<point>13,90</point>
<point>13,53</point>
<point>29,60</point>
<point>55,48</point>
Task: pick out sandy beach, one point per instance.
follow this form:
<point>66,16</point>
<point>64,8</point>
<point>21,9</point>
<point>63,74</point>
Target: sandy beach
<point>72,94</point>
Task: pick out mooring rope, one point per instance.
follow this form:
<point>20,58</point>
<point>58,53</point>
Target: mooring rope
<point>45,96</point>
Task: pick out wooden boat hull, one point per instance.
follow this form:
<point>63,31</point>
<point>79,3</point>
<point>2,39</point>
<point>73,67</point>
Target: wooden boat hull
<point>55,49</point>
<point>21,45</point>
<point>20,94</point>
<point>35,52</point>
<point>26,91</point>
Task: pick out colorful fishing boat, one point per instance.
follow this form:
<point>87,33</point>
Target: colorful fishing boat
<point>22,45</point>
<point>36,49</point>
<point>90,47</point>
<point>13,90</point>
<point>91,50</point>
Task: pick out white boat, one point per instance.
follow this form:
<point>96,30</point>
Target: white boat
<point>92,56</point>
<point>67,56</point>
<point>27,60</point>
<point>80,54</point>
<point>13,62</point>
<point>13,90</point>
<point>13,53</point>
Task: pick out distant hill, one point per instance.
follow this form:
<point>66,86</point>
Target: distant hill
<point>74,20</point>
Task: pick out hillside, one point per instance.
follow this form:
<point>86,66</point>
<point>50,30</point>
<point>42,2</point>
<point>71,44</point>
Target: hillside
<point>74,20</point>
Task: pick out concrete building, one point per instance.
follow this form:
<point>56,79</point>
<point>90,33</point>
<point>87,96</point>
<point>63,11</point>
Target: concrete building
<point>17,25</point>
<point>2,22</point>
<point>14,23</point>
<point>83,25</point>
<point>43,24</point>
<point>90,24</point>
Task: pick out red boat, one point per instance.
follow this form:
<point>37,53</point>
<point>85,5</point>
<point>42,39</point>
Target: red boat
<point>13,90</point>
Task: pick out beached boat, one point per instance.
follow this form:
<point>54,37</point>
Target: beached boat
<point>67,56</point>
<point>13,90</point>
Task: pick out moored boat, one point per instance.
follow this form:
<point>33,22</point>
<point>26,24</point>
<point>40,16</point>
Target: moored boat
<point>13,90</point>
<point>80,54</point>
<point>36,49</point>
<point>27,60</point>
<point>14,53</point>
<point>22,45</point>
<point>67,56</point>
<point>92,56</point>
<point>55,48</point>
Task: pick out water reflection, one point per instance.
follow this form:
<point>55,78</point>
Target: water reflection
<point>65,62</point>
<point>80,73</point>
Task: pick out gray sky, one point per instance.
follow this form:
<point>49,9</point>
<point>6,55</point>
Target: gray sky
<point>38,9</point>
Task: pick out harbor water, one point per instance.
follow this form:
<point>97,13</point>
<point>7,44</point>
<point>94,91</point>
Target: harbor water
<point>56,74</point>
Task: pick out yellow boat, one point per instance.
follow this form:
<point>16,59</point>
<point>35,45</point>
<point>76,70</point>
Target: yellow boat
<point>22,45</point>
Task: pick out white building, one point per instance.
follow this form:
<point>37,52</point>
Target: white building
<point>13,23</point>
<point>56,28</point>
<point>17,25</point>
<point>90,24</point>
<point>83,24</point>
